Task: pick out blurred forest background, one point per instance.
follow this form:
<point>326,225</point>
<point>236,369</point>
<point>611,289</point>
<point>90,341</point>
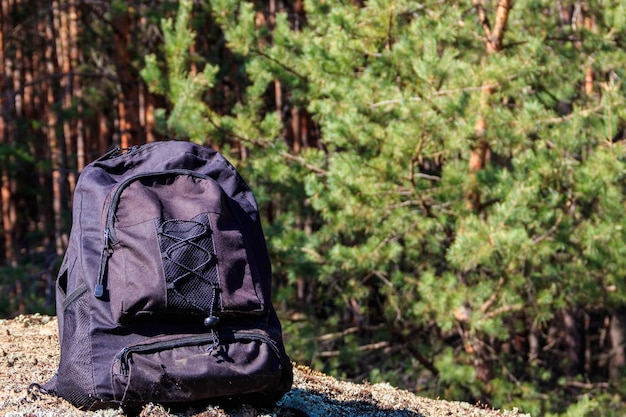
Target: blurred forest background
<point>442,182</point>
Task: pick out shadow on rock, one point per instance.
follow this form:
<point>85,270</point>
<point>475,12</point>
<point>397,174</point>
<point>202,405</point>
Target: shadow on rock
<point>320,405</point>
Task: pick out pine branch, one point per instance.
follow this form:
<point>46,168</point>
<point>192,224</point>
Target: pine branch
<point>362,348</point>
<point>566,118</point>
<point>421,358</point>
<point>280,64</point>
<point>482,18</point>
<point>303,162</point>
<point>491,301</point>
<point>350,330</point>
<point>550,231</point>
<point>586,385</point>
<point>264,144</point>
<point>441,93</point>
<point>503,310</point>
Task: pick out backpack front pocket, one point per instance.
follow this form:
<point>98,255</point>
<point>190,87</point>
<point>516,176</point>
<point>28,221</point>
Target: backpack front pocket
<point>196,367</point>
<point>173,244</point>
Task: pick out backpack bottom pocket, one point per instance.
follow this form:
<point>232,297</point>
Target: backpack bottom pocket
<point>196,368</point>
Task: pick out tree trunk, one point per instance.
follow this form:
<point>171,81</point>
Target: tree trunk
<point>78,135</point>
<point>481,151</point>
<point>573,342</point>
<point>3,74</point>
<point>617,336</point>
<point>8,137</point>
<point>590,24</point>
<point>480,156</point>
<point>128,99</point>
<point>55,139</point>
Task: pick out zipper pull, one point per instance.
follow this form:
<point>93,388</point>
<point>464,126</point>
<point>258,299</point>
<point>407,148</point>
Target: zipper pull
<point>123,358</point>
<point>98,291</point>
<point>132,149</point>
<point>211,321</point>
<point>107,238</point>
<point>111,153</point>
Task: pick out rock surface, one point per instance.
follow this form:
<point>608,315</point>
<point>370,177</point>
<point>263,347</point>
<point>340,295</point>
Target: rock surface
<point>29,352</point>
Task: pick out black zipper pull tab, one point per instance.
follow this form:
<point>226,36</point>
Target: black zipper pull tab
<point>133,149</point>
<point>98,291</point>
<point>123,357</point>
<point>111,153</point>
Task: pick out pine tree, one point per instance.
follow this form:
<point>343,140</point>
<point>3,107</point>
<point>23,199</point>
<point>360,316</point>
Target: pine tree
<point>458,220</point>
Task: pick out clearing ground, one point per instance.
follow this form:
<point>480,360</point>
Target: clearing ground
<point>29,353</point>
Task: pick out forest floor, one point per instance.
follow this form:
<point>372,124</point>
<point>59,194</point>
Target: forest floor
<point>29,353</point>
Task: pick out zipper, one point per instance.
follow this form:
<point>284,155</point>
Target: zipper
<point>110,220</point>
<point>111,153</point>
<point>124,357</point>
<point>109,230</point>
<point>107,251</point>
<point>118,151</point>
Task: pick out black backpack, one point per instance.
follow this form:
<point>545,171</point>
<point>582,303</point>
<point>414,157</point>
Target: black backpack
<point>164,291</point>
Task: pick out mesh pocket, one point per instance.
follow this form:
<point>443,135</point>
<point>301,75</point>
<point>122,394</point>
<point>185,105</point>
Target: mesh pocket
<point>75,378</point>
<point>189,263</point>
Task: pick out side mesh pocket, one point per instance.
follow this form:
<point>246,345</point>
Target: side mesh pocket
<point>75,379</point>
<point>63,287</point>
